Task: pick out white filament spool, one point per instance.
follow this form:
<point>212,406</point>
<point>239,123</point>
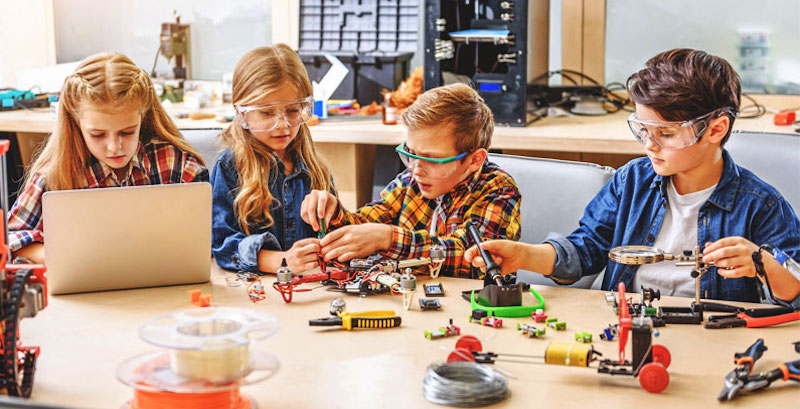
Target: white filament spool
<point>211,344</point>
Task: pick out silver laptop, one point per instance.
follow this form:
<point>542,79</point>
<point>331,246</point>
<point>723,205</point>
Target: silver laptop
<point>127,237</point>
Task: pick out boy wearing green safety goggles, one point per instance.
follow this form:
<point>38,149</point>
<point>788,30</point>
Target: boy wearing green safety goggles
<point>448,182</point>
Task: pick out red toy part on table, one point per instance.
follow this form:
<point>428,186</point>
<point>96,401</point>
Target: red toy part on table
<point>784,118</point>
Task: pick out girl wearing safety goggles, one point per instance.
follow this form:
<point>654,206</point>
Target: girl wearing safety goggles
<point>268,167</point>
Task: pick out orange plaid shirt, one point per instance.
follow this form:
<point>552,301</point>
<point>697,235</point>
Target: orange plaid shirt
<point>490,199</point>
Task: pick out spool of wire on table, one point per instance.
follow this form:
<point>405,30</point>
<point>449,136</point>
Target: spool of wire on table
<point>464,384</point>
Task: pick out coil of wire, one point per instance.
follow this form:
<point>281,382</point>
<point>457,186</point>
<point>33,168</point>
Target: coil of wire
<point>464,384</point>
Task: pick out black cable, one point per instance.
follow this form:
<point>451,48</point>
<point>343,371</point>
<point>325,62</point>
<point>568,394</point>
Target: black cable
<point>760,110</point>
<point>610,100</point>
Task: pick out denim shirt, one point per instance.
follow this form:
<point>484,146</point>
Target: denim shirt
<point>630,208</point>
<point>231,247</point>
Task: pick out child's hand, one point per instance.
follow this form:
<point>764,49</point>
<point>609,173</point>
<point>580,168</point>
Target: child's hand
<point>504,252</point>
<point>304,255</point>
<point>319,204</point>
<point>733,256</point>
<point>357,240</point>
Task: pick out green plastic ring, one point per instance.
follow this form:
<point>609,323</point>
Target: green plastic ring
<point>510,312</point>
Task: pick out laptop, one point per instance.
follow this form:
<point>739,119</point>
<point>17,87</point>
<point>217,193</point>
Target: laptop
<point>127,237</point>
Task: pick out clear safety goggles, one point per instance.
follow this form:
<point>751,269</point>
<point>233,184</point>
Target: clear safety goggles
<point>673,135</point>
<point>435,168</point>
<point>262,118</point>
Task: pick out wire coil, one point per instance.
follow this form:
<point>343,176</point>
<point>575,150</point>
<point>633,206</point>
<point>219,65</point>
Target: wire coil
<point>464,384</point>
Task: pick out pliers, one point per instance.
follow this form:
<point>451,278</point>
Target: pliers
<point>753,318</point>
<point>741,380</point>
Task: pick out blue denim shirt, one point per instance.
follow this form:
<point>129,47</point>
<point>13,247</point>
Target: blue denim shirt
<point>630,208</point>
<point>230,246</point>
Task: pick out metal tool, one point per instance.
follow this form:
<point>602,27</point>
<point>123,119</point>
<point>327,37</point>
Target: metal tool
<point>741,380</point>
<point>323,230</point>
<point>753,318</point>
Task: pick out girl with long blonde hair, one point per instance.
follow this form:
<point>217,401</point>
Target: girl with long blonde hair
<point>268,167</point>
<point>111,131</point>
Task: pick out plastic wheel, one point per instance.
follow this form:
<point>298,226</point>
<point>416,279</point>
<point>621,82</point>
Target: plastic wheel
<point>654,377</point>
<point>460,355</point>
<point>661,355</point>
<point>470,343</point>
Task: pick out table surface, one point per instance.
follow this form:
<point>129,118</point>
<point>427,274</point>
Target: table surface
<point>85,337</point>
<point>601,134</point>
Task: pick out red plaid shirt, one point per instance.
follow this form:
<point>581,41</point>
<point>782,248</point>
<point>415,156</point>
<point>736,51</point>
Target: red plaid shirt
<point>489,198</point>
<point>156,162</point>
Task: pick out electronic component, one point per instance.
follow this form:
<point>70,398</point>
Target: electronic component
<point>478,314</point>
<point>443,332</point>
<point>583,337</point>
<point>433,290</point>
<point>530,331</point>
<point>427,304</point>
<point>338,306</point>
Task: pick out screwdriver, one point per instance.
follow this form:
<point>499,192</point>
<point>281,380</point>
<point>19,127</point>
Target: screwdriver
<point>322,232</point>
<point>366,319</point>
<point>492,268</point>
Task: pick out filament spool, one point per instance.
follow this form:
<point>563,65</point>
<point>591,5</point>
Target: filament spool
<point>569,354</point>
<point>208,359</point>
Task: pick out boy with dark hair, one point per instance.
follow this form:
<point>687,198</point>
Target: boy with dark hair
<point>688,192</point>
<point>448,183</point>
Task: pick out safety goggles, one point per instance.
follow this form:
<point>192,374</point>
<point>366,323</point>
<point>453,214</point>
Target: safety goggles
<point>263,118</point>
<point>673,135</point>
<point>435,168</point>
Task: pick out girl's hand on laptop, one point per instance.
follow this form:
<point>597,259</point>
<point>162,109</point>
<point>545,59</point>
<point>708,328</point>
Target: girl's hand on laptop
<point>304,255</point>
<point>732,255</point>
<point>508,254</point>
<point>319,204</point>
<point>356,240</point>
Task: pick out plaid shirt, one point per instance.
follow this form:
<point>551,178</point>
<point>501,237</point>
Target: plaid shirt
<point>155,163</point>
<point>490,199</point>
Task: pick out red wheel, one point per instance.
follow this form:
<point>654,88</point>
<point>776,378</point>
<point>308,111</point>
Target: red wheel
<point>469,343</point>
<point>654,377</point>
<point>461,355</point>
<point>661,355</point>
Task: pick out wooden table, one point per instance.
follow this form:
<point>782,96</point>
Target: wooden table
<point>85,337</point>
<point>349,145</point>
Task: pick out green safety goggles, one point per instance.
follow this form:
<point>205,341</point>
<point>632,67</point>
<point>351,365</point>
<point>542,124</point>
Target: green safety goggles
<point>436,168</point>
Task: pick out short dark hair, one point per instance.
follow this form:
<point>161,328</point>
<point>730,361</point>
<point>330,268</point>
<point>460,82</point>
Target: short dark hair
<point>682,84</point>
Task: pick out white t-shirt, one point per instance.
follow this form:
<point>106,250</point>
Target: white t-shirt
<point>678,233</point>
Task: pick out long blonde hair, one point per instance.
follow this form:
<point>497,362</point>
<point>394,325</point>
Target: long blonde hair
<point>109,81</point>
<point>259,72</point>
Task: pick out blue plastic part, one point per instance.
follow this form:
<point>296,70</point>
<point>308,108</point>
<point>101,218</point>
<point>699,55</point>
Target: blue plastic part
<point>490,87</point>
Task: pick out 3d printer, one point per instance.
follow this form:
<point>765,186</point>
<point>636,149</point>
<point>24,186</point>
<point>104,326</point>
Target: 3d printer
<point>496,46</point>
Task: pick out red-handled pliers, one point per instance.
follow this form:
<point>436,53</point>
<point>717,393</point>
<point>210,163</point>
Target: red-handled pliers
<point>753,318</point>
